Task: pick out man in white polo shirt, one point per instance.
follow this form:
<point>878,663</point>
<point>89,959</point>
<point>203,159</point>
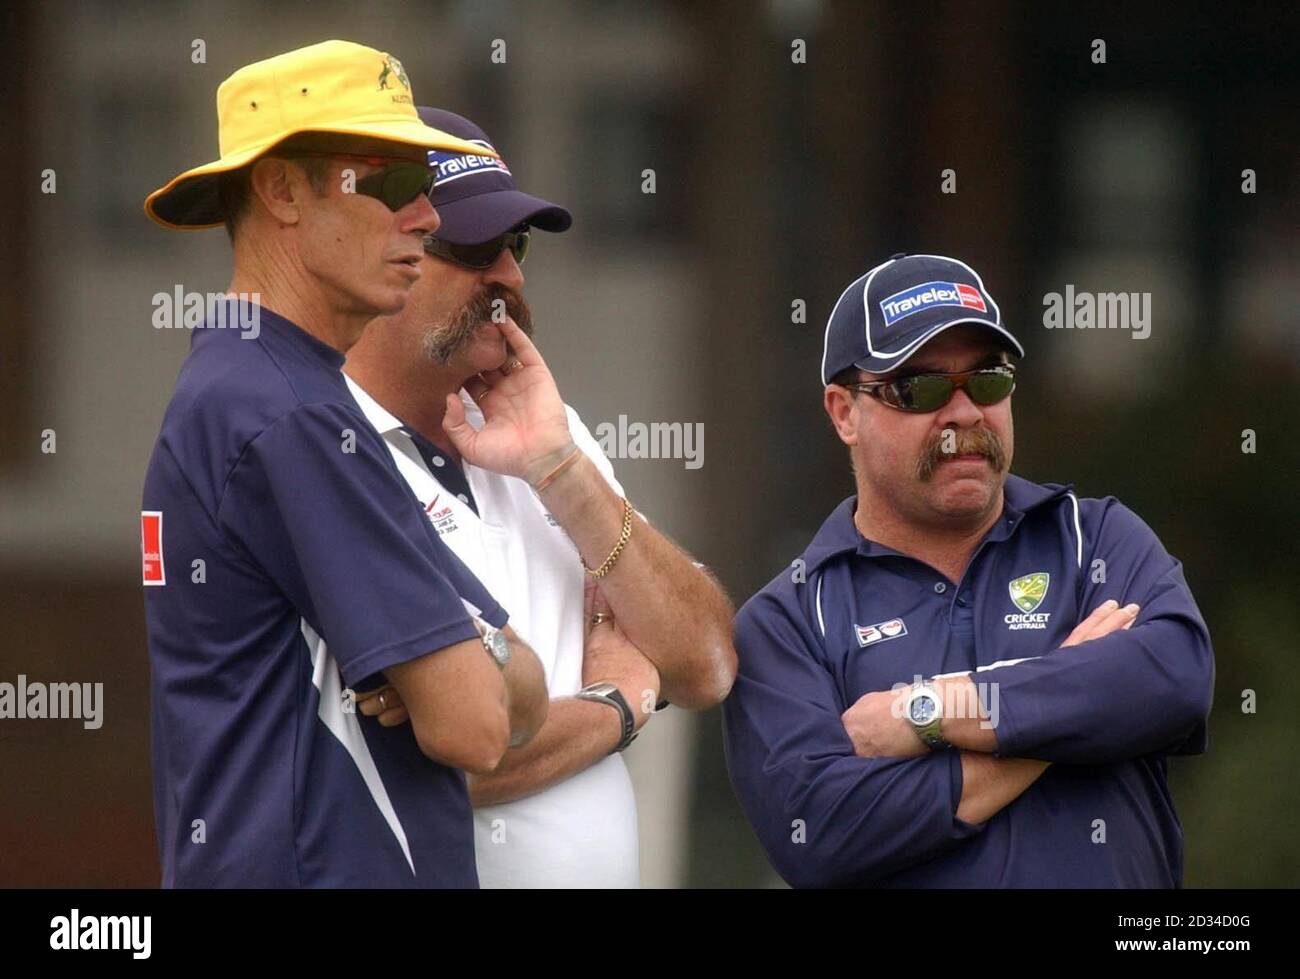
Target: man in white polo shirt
<point>515,484</point>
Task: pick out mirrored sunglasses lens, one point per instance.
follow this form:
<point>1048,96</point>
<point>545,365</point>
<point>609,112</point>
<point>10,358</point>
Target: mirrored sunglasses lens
<point>403,183</point>
<point>478,256</point>
<point>987,389</point>
<point>520,247</point>
<point>926,392</point>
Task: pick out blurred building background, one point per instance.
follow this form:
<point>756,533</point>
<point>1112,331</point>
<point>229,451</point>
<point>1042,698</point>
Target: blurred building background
<point>776,181</point>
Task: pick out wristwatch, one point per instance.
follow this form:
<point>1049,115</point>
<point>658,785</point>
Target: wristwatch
<point>605,692</point>
<point>494,641</point>
<point>924,711</point>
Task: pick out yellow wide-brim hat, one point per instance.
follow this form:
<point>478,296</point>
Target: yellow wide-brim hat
<point>335,87</point>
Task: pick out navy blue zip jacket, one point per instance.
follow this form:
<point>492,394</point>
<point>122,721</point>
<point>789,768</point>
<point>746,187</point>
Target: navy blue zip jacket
<point>852,616</point>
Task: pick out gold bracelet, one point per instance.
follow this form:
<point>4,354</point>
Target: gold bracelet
<point>623,538</point>
<point>551,476</point>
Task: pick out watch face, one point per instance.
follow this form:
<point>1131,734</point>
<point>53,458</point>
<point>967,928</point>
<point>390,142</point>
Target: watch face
<point>922,709</point>
<point>498,646</point>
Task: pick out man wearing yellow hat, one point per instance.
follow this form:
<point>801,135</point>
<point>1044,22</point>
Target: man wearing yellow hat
<point>285,561</point>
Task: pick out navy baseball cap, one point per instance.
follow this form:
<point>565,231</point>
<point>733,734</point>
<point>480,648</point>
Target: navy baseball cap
<point>476,196</point>
<point>887,315</point>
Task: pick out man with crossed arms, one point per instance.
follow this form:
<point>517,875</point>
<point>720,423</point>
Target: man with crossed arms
<point>926,700</point>
<point>516,486</point>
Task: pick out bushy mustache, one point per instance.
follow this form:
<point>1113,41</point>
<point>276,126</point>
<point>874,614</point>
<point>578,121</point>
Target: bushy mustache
<point>441,343</point>
<point>969,441</point>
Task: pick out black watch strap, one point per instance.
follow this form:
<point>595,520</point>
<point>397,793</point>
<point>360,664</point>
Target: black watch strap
<point>607,693</point>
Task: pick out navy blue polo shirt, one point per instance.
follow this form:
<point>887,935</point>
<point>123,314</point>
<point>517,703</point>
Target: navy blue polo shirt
<point>318,570</point>
<point>853,617</point>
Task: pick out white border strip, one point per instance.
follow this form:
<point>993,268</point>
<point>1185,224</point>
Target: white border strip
<point>820,621</point>
<point>1078,532</point>
<point>346,727</point>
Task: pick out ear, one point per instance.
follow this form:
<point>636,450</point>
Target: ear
<point>279,187</point>
<point>842,407</point>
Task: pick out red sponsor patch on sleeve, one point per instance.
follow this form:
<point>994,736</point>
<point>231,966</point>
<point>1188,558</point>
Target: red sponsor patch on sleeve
<point>151,547</point>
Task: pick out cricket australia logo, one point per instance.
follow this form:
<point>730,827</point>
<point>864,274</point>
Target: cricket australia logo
<point>1027,593</point>
<point>393,67</point>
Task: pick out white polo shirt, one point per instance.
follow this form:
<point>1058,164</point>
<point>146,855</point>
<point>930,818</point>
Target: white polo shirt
<point>581,832</point>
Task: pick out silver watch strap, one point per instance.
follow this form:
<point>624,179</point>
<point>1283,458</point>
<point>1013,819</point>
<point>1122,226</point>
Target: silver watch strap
<point>607,693</point>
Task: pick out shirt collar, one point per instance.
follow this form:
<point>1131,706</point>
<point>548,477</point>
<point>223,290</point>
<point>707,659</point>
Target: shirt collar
<point>297,337</point>
<point>381,419</point>
<point>839,534</point>
<point>384,421</point>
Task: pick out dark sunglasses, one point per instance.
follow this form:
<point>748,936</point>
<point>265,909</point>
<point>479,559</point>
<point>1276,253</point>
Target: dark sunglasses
<point>930,392</point>
<point>484,254</point>
<point>395,186</point>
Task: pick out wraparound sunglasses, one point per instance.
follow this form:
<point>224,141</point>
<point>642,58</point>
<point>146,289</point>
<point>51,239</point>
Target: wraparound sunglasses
<point>930,392</point>
<point>482,255</point>
<point>395,185</point>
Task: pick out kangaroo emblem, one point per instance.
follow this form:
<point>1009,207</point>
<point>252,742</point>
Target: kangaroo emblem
<point>392,67</point>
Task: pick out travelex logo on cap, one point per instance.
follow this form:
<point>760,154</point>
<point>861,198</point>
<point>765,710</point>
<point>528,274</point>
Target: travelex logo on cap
<point>478,210</point>
<point>917,298</point>
<point>889,313</point>
<point>449,166</point>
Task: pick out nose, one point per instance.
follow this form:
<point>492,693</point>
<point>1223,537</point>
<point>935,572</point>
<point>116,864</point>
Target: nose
<point>506,271</point>
<point>418,217</point>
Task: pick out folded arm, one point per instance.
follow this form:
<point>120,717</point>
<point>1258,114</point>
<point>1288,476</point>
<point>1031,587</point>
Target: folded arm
<point>465,710</point>
<point>1130,693</point>
<point>826,816</point>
